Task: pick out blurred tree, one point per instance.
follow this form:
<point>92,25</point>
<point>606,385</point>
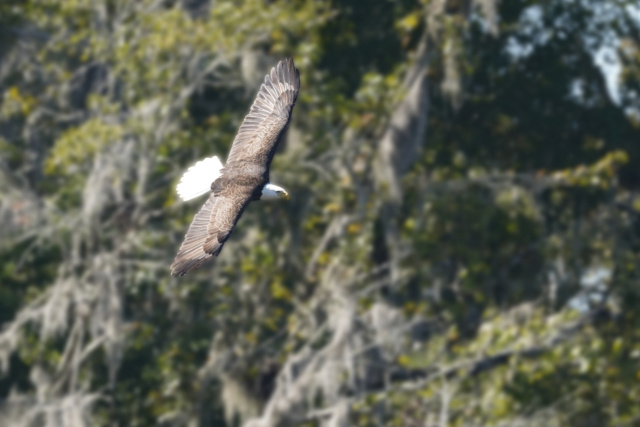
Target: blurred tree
<point>461,246</point>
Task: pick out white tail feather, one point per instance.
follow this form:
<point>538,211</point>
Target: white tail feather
<point>198,178</point>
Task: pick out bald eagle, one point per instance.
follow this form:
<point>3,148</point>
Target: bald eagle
<point>245,177</point>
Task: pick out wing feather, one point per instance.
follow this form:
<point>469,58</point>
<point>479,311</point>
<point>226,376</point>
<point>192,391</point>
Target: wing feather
<point>264,125</point>
<point>224,217</point>
<point>191,254</point>
<point>209,230</point>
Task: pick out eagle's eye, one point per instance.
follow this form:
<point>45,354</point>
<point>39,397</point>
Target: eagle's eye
<point>282,194</point>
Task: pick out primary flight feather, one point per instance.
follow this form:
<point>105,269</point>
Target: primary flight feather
<point>245,177</point>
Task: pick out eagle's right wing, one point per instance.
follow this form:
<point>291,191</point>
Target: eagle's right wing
<point>226,212</point>
<point>191,254</point>
<point>209,230</point>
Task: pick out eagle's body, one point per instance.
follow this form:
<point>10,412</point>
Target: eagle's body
<point>245,177</point>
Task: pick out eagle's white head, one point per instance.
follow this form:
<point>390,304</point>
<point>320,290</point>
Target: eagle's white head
<point>271,191</point>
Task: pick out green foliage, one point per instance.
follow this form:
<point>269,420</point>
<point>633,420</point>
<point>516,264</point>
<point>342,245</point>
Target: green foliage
<point>526,188</point>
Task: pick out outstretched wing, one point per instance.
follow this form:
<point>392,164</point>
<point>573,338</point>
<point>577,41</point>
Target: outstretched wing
<point>262,128</point>
<point>191,254</point>
<point>208,231</point>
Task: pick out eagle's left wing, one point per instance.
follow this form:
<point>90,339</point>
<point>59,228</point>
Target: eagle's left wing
<point>268,117</point>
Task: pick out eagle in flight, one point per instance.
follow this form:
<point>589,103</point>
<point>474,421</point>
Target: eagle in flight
<point>245,177</point>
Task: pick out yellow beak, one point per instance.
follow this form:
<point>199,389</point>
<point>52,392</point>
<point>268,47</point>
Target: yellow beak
<point>286,195</point>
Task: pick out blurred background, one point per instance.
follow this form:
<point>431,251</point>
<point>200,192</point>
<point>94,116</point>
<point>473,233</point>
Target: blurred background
<point>461,247</point>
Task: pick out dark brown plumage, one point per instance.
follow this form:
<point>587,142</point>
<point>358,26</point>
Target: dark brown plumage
<point>246,171</point>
